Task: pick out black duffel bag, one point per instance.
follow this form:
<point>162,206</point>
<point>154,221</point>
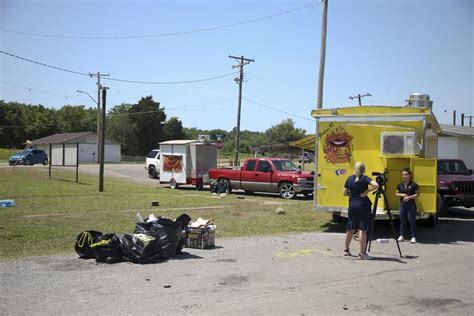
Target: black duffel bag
<point>84,241</point>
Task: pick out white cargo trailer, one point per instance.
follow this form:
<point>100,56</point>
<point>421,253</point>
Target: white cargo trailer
<point>186,161</point>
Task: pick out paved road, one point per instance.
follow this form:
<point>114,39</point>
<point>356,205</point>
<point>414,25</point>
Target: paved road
<point>294,274</point>
<point>128,172</point>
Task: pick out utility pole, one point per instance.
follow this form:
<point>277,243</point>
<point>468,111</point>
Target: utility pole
<point>242,62</point>
<point>322,61</point>
<point>99,86</point>
<point>102,140</point>
<point>360,96</point>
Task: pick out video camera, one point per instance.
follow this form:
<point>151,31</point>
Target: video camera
<point>381,178</point>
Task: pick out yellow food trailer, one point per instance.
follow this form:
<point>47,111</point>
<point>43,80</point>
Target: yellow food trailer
<point>387,139</point>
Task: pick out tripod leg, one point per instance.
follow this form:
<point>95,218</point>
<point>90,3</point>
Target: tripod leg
<point>387,208</point>
<point>368,243</point>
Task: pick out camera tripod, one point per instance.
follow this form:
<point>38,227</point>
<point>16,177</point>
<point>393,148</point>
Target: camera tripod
<point>381,192</point>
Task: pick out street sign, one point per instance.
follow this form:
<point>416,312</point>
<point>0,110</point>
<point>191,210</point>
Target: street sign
<point>219,144</point>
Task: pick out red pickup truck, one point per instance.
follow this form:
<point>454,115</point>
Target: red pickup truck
<point>276,175</point>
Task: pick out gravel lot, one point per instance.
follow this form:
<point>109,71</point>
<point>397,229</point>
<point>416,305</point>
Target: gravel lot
<point>295,274</point>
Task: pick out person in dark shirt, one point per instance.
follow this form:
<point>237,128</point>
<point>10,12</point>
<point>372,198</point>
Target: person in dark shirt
<point>407,191</point>
<point>356,188</point>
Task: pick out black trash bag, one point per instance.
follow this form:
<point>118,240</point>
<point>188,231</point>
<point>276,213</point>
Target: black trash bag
<point>107,249</point>
<point>83,243</point>
<point>169,233</point>
<point>183,221</point>
<point>137,251</point>
<point>172,232</point>
<point>213,187</point>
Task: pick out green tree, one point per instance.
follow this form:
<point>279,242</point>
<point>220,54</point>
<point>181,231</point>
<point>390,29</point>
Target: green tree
<point>76,118</point>
<point>173,129</point>
<point>119,127</point>
<point>147,125</point>
<point>140,127</point>
<point>284,132</point>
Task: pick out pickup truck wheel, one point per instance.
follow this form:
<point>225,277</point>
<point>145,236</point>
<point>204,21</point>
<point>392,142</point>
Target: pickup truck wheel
<point>223,186</point>
<point>152,174</point>
<point>441,207</point>
<point>286,190</point>
<point>173,184</point>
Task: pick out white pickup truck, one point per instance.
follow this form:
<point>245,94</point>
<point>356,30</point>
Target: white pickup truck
<point>153,164</point>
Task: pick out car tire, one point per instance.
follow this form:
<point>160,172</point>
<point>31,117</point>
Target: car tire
<point>441,207</point>
<point>152,174</point>
<point>28,162</point>
<point>224,184</point>
<point>45,162</point>
<point>173,184</point>
<point>287,190</point>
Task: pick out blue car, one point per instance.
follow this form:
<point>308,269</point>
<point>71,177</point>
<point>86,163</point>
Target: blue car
<point>29,157</point>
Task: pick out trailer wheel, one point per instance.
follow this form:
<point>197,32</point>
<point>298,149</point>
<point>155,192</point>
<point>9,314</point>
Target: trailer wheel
<point>431,221</point>
<point>336,217</point>
<point>441,207</point>
<point>173,184</point>
<point>286,190</point>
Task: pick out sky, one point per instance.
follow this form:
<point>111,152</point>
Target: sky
<point>389,48</point>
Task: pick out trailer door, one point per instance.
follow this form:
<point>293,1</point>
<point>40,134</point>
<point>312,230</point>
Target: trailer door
<point>424,173</point>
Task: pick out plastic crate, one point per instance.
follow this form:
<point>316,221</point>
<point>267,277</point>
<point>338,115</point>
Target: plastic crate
<point>200,238</point>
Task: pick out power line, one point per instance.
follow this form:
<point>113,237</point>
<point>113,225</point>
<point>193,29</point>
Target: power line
<point>277,110</point>
<point>171,82</point>
<point>351,58</point>
<point>43,64</point>
<point>213,28</point>
<point>116,79</point>
<point>43,91</point>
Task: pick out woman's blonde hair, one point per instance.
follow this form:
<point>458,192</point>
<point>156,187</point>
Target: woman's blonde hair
<point>359,166</point>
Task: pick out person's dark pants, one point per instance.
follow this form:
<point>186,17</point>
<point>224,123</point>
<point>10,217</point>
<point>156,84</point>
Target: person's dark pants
<point>407,211</point>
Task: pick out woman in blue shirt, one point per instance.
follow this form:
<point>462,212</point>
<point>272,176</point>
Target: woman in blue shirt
<point>407,191</point>
<point>356,188</point>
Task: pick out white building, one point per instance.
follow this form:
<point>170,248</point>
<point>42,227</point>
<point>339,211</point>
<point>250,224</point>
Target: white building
<point>457,142</point>
<point>64,148</point>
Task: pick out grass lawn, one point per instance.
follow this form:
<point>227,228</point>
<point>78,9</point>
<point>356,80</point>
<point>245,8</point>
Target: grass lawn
<point>49,213</point>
